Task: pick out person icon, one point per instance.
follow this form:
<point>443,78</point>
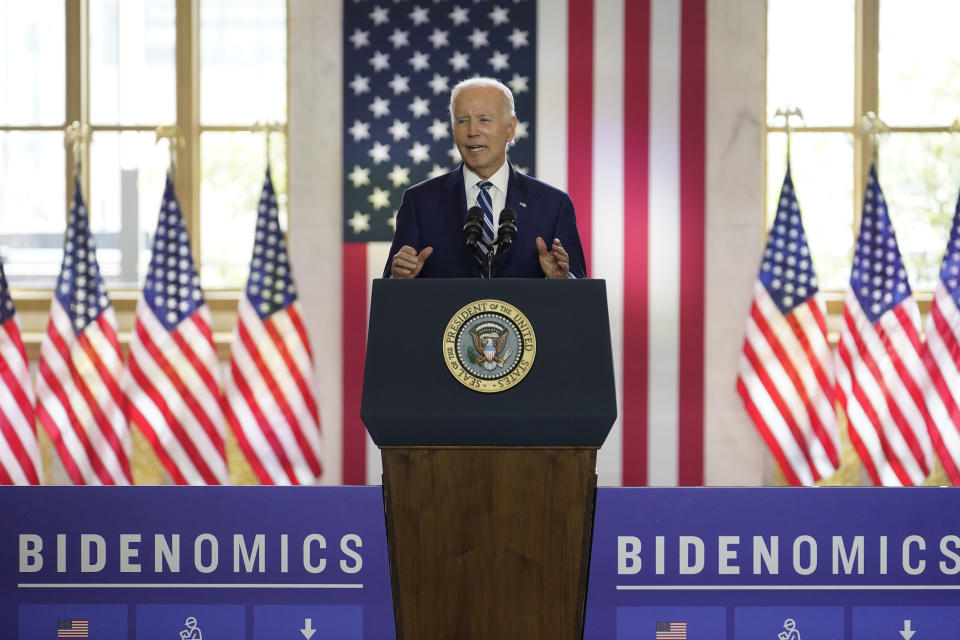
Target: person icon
<point>790,630</point>
<point>191,630</point>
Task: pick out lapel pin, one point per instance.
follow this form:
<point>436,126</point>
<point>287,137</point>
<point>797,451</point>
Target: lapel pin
<point>522,204</point>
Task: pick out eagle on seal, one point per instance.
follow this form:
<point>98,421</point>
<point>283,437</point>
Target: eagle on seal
<point>490,346</point>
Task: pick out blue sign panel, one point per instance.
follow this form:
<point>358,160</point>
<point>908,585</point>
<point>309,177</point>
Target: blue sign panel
<point>154,563</point>
<point>777,564</point>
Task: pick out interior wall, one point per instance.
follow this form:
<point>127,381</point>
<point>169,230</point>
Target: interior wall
<point>735,455</point>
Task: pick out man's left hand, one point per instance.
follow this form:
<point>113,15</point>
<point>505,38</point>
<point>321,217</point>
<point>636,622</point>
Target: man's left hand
<point>555,262</point>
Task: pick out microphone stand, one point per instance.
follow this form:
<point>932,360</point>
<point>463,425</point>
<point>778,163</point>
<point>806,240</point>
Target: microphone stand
<point>490,257</point>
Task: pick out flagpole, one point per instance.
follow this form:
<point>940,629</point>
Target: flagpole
<point>786,112</point>
<point>77,137</point>
<point>175,139</point>
<point>268,128</point>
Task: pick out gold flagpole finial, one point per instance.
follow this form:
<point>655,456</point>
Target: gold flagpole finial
<point>955,127</point>
<point>268,128</point>
<point>76,136</point>
<point>786,112</point>
<point>171,133</point>
<point>872,126</point>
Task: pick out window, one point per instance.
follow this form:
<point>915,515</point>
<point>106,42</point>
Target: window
<point>216,68</point>
<point>838,60</point>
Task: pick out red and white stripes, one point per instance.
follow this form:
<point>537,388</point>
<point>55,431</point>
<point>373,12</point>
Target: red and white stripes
<point>19,452</point>
<point>270,393</point>
<point>79,400</point>
<point>173,386</point>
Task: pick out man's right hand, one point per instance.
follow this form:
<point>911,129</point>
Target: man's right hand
<point>407,263</point>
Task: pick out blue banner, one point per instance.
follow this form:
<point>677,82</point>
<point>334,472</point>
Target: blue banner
<point>775,564</point>
<point>167,563</point>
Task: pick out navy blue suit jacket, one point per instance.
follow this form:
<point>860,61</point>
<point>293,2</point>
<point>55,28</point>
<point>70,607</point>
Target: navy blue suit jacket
<point>432,214</point>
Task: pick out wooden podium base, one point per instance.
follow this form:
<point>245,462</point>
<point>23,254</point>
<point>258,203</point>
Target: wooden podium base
<point>490,543</point>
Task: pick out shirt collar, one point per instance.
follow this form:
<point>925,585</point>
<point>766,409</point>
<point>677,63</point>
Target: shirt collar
<point>500,179</point>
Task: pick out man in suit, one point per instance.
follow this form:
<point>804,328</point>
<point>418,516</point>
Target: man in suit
<point>429,241</point>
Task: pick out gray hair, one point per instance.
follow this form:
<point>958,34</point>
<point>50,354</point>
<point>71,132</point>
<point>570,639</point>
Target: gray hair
<point>484,82</point>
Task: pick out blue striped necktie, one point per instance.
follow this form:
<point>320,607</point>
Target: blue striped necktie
<point>485,202</point>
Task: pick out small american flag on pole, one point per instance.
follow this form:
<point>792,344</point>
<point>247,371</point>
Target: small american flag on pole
<point>72,628</point>
<point>942,355</point>
<point>173,375</point>
<point>880,373</point>
<point>19,453</point>
<point>79,399</point>
<point>270,386</point>
<point>671,631</point>
<point>786,375</point>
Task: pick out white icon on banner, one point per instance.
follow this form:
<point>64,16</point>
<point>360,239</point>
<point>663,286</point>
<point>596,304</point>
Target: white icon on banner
<point>308,629</point>
<point>789,630</point>
<point>907,632</point>
<point>191,630</point>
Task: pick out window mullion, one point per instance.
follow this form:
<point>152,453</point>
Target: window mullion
<point>77,84</point>
<point>866,96</point>
<point>188,119</point>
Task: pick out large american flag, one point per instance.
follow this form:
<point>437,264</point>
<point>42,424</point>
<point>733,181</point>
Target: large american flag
<point>880,373</point>
<point>19,453</point>
<point>270,387</point>
<point>173,375</point>
<point>786,368</point>
<point>942,355</point>
<point>79,399</point>
<point>602,88</point>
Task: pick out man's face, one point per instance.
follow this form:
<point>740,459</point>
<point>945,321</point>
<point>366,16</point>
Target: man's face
<point>482,129</point>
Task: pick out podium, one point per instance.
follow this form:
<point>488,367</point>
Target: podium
<point>488,495</point>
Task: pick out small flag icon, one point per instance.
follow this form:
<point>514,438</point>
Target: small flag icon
<point>72,628</point>
<point>671,631</point>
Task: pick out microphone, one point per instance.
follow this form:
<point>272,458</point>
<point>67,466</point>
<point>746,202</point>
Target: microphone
<point>473,227</point>
<point>507,232</point>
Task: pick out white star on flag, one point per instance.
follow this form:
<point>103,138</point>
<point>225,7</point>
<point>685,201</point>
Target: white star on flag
<point>399,176</point>
<point>439,38</point>
<point>360,84</point>
<point>379,152</point>
<point>419,153</point>
<point>400,38</point>
<point>380,198</point>
<point>459,15</point>
<point>518,83</point>
<point>359,130</point>
<point>360,176</point>
<point>460,61</point>
<point>420,61</point>
<point>499,61</point>
<point>518,38</point>
<point>379,15</point>
<point>380,61</point>
<point>380,107</point>
<point>438,130</point>
<point>360,38</point>
<point>419,15</point>
<point>399,84</point>
<point>360,222</point>
<point>478,38</point>
<point>420,107</point>
<point>399,130</point>
<point>499,15</point>
<point>439,84</point>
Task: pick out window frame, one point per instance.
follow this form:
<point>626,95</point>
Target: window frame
<point>866,99</point>
<point>33,304</point>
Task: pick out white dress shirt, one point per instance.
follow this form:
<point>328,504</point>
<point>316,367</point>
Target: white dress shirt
<point>498,192</point>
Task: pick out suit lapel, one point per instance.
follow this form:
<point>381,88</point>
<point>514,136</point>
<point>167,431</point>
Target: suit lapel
<point>455,198</point>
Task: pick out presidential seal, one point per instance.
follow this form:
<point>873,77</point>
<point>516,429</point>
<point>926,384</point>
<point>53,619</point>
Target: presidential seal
<point>489,346</point>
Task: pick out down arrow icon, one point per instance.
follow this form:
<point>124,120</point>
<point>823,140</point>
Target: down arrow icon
<point>907,633</point>
<point>308,629</point>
